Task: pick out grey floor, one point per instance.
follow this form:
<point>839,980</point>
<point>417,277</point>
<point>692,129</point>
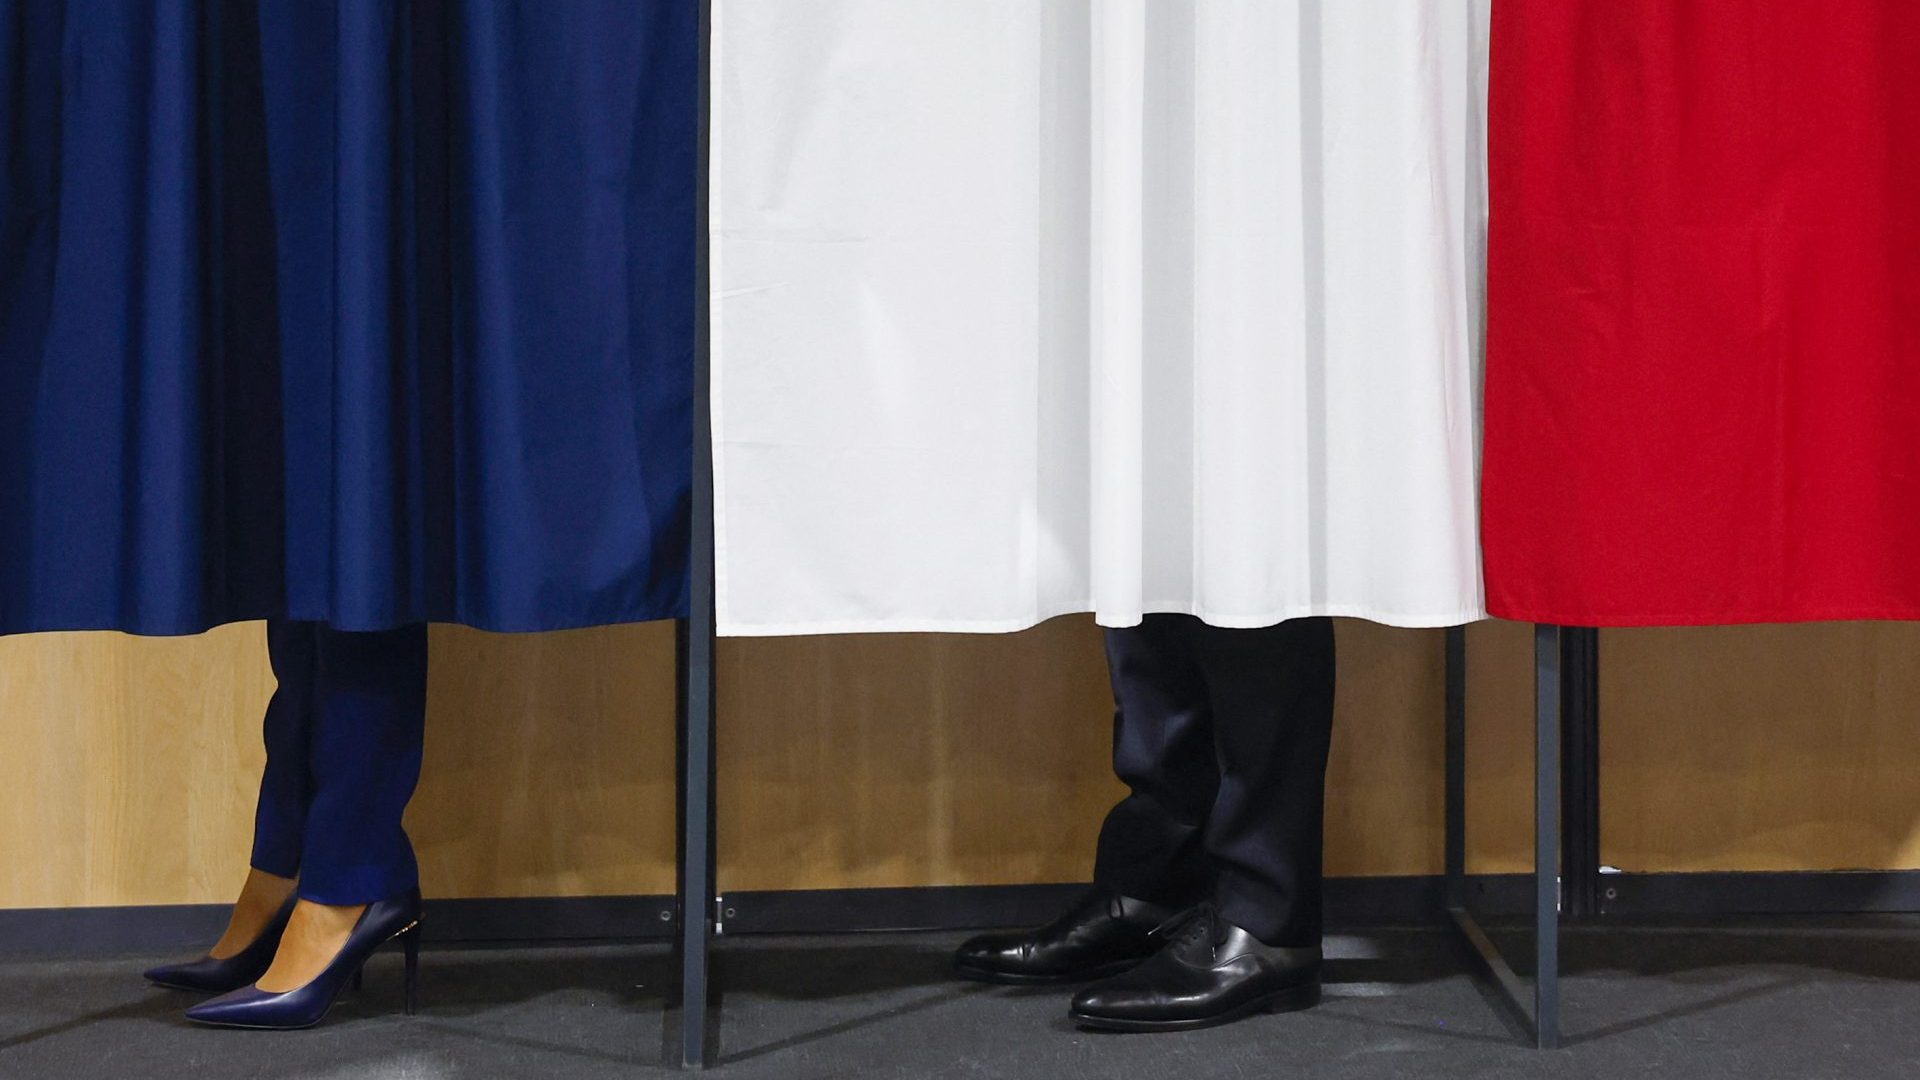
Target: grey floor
<point>1790,1000</point>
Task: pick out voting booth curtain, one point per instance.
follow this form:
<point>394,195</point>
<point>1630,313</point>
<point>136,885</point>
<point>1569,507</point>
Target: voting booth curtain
<point>372,312</point>
<point>1703,383</point>
<point>1024,307</point>
<point>364,312</point>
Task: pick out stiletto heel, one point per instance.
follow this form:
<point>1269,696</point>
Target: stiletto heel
<point>410,941</point>
<point>251,1007</point>
<point>210,976</point>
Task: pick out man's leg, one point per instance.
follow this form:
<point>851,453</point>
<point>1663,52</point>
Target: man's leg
<point>1257,946</point>
<point>1272,692</point>
<point>1151,845</point>
<point>1151,859</point>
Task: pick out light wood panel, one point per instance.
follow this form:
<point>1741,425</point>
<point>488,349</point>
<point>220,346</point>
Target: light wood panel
<point>124,764</point>
<point>1499,748</point>
<point>550,763</point>
<point>129,764</point>
<point>846,761</point>
<point>1761,747</point>
<point>895,759</point>
<point>949,759</point>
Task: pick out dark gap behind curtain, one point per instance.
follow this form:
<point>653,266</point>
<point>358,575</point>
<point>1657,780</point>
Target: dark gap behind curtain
<point>364,312</point>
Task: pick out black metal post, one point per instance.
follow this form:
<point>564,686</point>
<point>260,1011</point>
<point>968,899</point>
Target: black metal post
<point>690,1032</point>
<point>1544,1014</point>
<point>1580,768</point>
<point>696,847</point>
<point>1456,767</point>
<point>1546,836</point>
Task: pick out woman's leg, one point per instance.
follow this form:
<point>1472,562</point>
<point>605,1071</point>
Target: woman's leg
<point>364,751</point>
<point>280,819</point>
<point>369,722</point>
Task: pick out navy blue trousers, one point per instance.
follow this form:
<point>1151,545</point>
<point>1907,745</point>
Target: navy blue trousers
<point>344,736</point>
<point>1222,735</point>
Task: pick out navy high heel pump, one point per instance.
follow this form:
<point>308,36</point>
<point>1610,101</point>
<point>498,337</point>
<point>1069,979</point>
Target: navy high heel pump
<point>251,1007</point>
<point>208,975</point>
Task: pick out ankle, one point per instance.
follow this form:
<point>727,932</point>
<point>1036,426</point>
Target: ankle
<point>262,896</point>
<point>314,937</point>
<point>264,890</point>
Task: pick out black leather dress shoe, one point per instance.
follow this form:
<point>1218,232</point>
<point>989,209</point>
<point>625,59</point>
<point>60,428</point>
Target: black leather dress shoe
<point>1100,935</point>
<point>1210,972</point>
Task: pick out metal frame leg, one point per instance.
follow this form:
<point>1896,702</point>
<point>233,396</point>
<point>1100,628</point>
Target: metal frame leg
<point>695,991</point>
<point>1545,1012</point>
<point>1581,893</point>
<point>1546,836</point>
<point>690,1033</point>
<point>1456,768</point>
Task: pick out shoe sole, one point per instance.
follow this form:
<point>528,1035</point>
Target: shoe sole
<point>1292,999</point>
<point>1010,978</point>
<point>228,1026</point>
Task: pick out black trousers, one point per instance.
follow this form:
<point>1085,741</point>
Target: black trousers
<point>1222,736</point>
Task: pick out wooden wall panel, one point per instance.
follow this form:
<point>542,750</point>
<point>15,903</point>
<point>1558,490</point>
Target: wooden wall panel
<point>900,759</point>
<point>550,763</point>
<point>129,764</point>
<point>1384,780</point>
<point>847,761</point>
<point>949,759</point>
<point>1499,748</point>
<point>1761,747</point>
<point>122,765</point>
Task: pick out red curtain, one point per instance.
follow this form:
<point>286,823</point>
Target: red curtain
<point>1703,374</point>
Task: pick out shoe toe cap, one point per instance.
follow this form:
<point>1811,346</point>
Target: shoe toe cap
<point>191,976</point>
<point>989,950</point>
<point>1111,1000</point>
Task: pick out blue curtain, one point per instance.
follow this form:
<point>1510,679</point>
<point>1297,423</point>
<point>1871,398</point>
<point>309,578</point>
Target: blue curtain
<point>359,311</point>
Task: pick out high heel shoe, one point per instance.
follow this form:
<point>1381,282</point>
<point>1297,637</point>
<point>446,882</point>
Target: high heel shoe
<point>209,975</point>
<point>251,1007</point>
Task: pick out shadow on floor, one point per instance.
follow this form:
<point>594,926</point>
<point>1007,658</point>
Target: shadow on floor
<point>836,1005</point>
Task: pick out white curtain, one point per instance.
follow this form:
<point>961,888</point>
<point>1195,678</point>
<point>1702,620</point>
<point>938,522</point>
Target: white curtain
<point>1026,307</point>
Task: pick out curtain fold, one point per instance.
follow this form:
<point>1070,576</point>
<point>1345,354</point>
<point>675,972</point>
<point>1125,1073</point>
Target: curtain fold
<point>1026,308</point>
<point>367,312</point>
